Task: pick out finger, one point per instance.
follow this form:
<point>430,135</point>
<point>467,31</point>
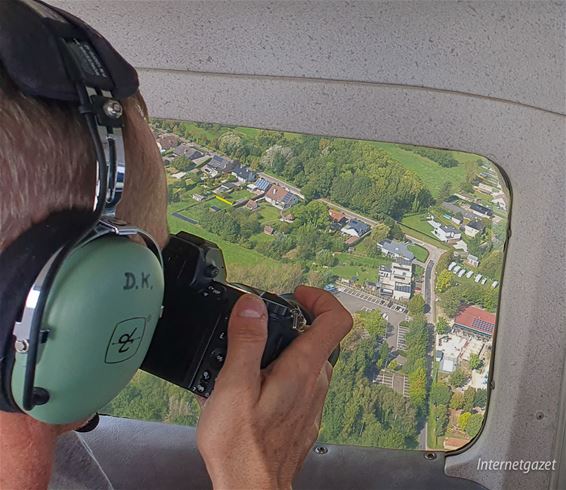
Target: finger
<point>247,334</point>
<point>320,395</point>
<point>332,323</point>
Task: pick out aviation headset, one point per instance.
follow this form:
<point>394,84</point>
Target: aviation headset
<point>79,300</point>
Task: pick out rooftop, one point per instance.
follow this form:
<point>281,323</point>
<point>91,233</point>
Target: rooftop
<point>476,319</point>
<point>396,247</point>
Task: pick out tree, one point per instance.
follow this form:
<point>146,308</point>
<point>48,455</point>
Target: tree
<point>416,305</point>
<point>480,399</point>
<point>445,190</point>
<point>417,387</point>
<point>492,264</point>
<point>383,355</point>
<point>463,420</point>
<point>475,361</point>
<point>440,394</point>
<point>469,396</point>
<point>182,163</point>
<point>326,258</point>
<point>474,424</point>
<point>444,281</point>
<point>314,213</point>
<point>442,326</point>
<point>458,378</point>
<point>457,400</point>
<point>451,301</point>
<point>373,322</point>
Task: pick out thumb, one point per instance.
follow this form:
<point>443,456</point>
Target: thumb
<point>247,335</point>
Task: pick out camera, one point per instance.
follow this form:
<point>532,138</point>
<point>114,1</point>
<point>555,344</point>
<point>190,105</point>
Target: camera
<point>190,341</point>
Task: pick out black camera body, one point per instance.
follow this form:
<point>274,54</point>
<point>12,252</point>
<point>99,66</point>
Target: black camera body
<point>190,342</point>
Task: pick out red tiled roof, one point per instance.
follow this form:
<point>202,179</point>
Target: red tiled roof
<point>277,193</point>
<point>476,319</point>
<point>336,215</point>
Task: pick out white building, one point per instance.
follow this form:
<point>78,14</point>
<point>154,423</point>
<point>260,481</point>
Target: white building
<point>446,233</point>
<point>396,281</point>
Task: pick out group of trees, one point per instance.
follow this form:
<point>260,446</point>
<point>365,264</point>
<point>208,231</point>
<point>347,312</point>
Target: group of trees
<point>455,294</point>
<point>358,411</point>
<point>355,174</point>
<point>463,294</point>
<point>147,397</point>
<point>442,157</point>
<point>417,340</point>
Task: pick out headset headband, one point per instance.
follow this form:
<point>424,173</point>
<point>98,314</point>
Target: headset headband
<point>51,54</point>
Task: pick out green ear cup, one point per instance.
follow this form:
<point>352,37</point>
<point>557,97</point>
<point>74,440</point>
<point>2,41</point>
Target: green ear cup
<point>101,314</point>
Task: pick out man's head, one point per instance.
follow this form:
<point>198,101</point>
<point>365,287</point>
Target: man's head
<point>47,164</point>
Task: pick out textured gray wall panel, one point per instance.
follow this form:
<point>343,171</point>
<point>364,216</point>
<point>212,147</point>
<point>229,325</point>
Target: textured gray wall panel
<point>510,50</point>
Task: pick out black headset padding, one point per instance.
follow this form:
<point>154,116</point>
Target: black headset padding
<point>32,56</point>
<point>20,264</point>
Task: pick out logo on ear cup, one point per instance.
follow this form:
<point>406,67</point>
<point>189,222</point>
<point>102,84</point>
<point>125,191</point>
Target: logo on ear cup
<point>125,340</point>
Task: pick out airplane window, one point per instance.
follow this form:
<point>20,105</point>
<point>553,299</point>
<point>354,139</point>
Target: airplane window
<point>410,239</point>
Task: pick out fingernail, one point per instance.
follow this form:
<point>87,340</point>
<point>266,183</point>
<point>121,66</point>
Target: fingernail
<point>251,307</point>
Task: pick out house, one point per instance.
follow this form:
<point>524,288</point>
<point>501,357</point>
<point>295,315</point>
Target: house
<point>252,205</point>
<point>167,141</point>
<point>219,165</point>
<point>268,230</point>
<point>337,217</point>
<point>214,209</point>
<point>455,210</point>
<point>446,233</point>
<point>396,249</point>
<point>280,197</point>
<point>473,261</point>
<point>187,152</point>
<point>475,321</point>
<point>179,175</point>
<point>260,184</point>
<point>244,174</point>
<point>472,228</point>
<point>396,281</point>
<point>500,201</point>
<point>198,197</point>
<point>356,228</point>
<point>481,211</point>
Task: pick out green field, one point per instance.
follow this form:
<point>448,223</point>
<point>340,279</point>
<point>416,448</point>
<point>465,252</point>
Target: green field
<point>419,223</point>
<point>268,214</point>
<point>233,253</point>
<point>364,268</point>
<point>421,253</point>
<point>431,173</point>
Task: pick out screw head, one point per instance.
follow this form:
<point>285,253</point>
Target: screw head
<point>430,456</point>
<point>113,109</point>
<point>21,346</point>
<point>320,450</point>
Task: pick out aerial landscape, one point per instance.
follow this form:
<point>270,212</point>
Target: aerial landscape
<point>410,239</point>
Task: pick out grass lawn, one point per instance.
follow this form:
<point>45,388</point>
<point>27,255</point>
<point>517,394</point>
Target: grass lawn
<point>261,238</point>
<point>421,253</point>
<point>233,253</point>
<point>240,194</point>
<point>268,214</point>
<point>431,173</point>
<point>365,268</point>
<point>419,223</point>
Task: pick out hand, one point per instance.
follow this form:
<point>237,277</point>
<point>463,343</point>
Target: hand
<point>257,427</point>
